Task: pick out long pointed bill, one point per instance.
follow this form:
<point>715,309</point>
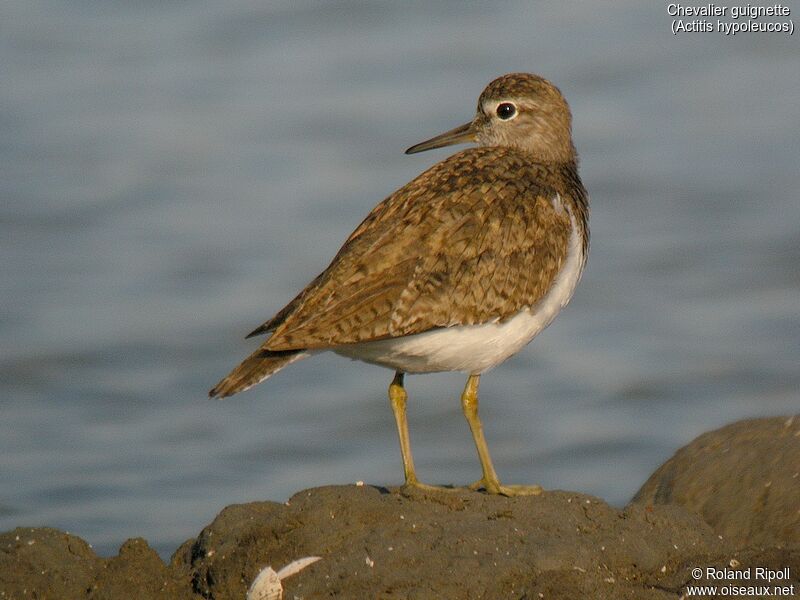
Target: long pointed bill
<point>459,135</point>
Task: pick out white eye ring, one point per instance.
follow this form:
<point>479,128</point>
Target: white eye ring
<point>506,111</point>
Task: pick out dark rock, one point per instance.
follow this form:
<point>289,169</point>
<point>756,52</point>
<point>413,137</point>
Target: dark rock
<point>138,572</point>
<point>232,550</point>
<point>743,479</point>
<point>457,544</point>
<point>678,576</point>
<point>379,543</point>
<point>45,563</point>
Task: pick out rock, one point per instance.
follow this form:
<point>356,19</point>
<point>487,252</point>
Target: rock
<point>47,562</point>
<point>380,543</point>
<point>391,543</point>
<point>743,479</point>
<point>221,556</point>
<point>138,572</point>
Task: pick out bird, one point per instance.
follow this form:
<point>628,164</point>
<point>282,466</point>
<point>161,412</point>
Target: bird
<point>457,270</point>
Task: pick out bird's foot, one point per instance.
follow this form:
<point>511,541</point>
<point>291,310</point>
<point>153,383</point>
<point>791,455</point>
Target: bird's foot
<point>413,484</point>
<point>495,487</point>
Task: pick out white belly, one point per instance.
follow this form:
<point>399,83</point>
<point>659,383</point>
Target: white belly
<point>475,348</point>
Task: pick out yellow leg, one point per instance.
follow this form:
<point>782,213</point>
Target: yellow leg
<point>398,398</point>
<point>489,481</point>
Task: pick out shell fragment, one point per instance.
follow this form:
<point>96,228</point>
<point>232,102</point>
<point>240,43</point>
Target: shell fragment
<point>267,585</point>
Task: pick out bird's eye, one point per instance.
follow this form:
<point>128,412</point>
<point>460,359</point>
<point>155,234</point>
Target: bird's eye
<point>506,110</point>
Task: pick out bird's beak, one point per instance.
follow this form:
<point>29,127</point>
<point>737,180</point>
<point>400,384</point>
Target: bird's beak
<point>459,135</point>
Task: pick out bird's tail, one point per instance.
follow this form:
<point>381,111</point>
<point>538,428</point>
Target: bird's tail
<point>255,369</point>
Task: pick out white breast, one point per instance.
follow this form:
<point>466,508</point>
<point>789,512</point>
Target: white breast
<point>476,348</point>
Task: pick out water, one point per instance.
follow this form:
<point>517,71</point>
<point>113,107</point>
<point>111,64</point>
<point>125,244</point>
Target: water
<point>172,173</point>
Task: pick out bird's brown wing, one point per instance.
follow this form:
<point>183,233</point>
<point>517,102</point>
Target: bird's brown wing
<point>444,250</point>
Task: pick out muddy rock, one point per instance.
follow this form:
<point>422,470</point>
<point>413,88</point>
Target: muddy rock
<point>45,563</point>
<point>138,572</point>
<point>743,479</point>
<point>388,543</point>
<point>455,544</point>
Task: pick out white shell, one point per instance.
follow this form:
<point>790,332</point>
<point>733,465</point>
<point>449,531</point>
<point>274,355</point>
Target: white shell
<point>267,585</point>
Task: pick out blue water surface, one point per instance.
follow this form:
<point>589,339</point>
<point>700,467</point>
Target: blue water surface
<point>171,173</point>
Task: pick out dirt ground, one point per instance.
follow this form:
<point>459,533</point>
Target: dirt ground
<point>730,499</point>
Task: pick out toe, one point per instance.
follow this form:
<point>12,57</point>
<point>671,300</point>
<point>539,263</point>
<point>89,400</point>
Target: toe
<point>520,490</point>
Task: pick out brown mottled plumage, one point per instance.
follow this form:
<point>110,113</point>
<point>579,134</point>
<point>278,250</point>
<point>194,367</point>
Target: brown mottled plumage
<point>443,250</point>
<point>478,238</point>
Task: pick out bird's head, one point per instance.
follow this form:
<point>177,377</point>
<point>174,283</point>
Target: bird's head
<point>518,110</point>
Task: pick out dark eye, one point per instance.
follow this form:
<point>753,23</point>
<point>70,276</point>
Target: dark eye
<point>506,110</point>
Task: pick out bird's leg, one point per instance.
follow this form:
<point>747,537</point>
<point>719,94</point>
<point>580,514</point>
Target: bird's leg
<point>469,404</point>
<point>489,481</point>
<point>398,397</point>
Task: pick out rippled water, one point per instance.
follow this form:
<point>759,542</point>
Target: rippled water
<point>171,173</point>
